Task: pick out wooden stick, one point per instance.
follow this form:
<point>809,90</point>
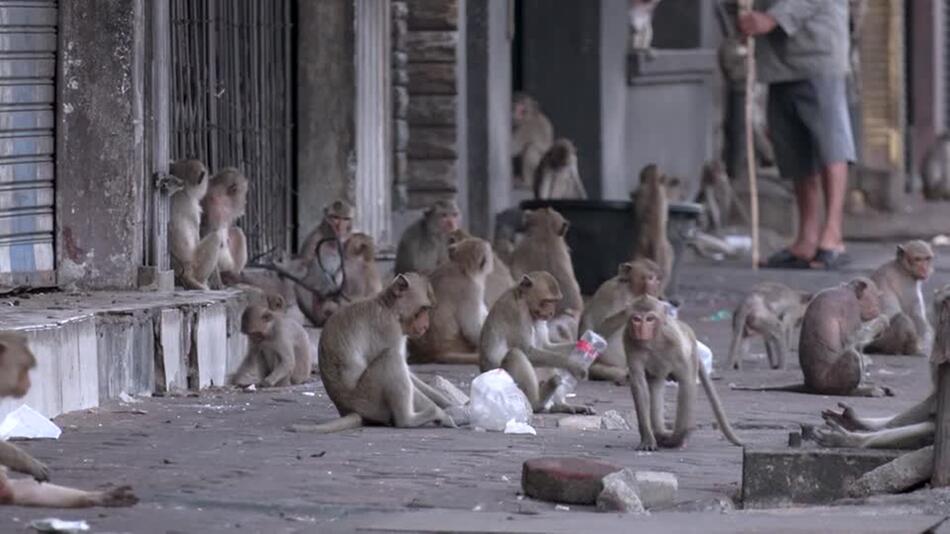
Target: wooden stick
<point>746,5</point>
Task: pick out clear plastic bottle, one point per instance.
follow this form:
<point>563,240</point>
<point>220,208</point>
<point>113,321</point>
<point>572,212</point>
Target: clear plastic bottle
<point>585,351</point>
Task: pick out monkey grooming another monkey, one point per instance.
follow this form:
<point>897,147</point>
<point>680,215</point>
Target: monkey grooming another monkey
<point>455,322</point>
<point>634,279</point>
<point>499,278</point>
<point>515,338</point>
<point>278,352</point>
<point>16,360</point>
<point>661,348</point>
<point>223,205</point>
<point>900,282</point>
<point>651,212</point>
<point>424,245</point>
<point>556,175</point>
<point>363,361</point>
<point>545,249</point>
<point>839,322</point>
<point>193,257</point>
<point>531,136</point>
<point>771,310</point>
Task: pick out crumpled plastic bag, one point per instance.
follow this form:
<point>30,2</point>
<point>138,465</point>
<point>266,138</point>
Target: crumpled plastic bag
<point>25,422</point>
<point>496,400</point>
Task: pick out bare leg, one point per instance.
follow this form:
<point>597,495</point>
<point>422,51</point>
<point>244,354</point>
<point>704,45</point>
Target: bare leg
<point>657,418</point>
<point>32,493</point>
<point>835,183</point>
<point>519,367</point>
<point>808,201</point>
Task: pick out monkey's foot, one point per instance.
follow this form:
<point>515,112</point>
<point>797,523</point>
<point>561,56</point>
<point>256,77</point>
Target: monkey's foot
<point>847,419</point>
<point>837,436</point>
<point>574,409</point>
<point>117,497</point>
<point>647,445</point>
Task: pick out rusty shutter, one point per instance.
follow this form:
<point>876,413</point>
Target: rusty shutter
<point>28,46</point>
<point>882,78</point>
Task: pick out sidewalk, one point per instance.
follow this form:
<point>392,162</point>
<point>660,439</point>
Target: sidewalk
<point>221,461</point>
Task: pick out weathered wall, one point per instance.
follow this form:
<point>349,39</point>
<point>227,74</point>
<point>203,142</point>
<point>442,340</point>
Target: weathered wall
<point>326,106</point>
<point>99,164</point>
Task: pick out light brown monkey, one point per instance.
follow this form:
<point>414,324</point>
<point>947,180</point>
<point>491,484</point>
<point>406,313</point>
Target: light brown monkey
<point>498,280</point>
<point>531,136</point>
<point>455,322</point>
<point>267,284</point>
<point>359,267</point>
<point>900,281</point>
<point>515,338</point>
<point>661,348</point>
<point>839,322</point>
<point>16,361</point>
<point>544,249</point>
<point>634,279</point>
<point>278,352</point>
<point>424,245</point>
<point>337,224</point>
<point>193,257</point>
<point>651,212</point>
<point>771,310</point>
<point>363,361</point>
<point>223,205</point>
<point>910,429</point>
<point>556,175</point>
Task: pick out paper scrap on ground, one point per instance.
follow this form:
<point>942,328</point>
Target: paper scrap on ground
<point>515,427</point>
<point>58,525</point>
<point>25,422</point>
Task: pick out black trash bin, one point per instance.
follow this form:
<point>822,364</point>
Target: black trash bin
<point>601,235</point>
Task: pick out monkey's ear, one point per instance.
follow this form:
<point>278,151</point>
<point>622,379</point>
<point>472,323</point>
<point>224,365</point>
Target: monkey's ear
<point>901,251</point>
<point>276,302</point>
<point>565,226</point>
<point>625,269</point>
<point>860,286</point>
<point>400,283</point>
<point>526,282</point>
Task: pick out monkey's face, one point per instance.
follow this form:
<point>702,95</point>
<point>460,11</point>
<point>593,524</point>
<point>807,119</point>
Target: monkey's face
<point>644,325</point>
<point>917,259</point>
<point>542,294</point>
<point>411,297</point>
<point>341,226</point>
<point>418,324</point>
<point>518,112</point>
<point>257,323</point>
<point>16,360</point>
<point>449,221</point>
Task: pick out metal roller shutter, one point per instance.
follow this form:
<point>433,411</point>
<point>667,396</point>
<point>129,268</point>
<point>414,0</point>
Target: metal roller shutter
<point>28,45</point>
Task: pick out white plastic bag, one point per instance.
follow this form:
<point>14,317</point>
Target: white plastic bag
<point>496,400</point>
<point>25,422</point>
<point>705,356</point>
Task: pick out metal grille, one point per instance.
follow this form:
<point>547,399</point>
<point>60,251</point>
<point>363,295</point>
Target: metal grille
<point>232,103</point>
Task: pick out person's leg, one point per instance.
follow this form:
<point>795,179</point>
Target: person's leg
<point>835,182</point>
<point>808,199</point>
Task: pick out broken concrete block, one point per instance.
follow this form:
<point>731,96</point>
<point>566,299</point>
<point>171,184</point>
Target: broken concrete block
<point>456,395</point>
<point>901,474</point>
<point>657,489</point>
<point>620,494</point>
<point>776,477</point>
<point>613,420</point>
<point>580,422</point>
<point>565,480</point>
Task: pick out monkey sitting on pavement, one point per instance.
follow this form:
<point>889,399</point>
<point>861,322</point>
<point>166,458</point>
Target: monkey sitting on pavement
<point>499,278</point>
<point>771,310</point>
<point>278,352</point>
<point>515,338</point>
<point>16,361</point>
<point>424,245</point>
<point>363,361</point>
<point>900,281</point>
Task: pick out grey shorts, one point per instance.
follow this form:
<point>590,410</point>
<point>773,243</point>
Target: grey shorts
<point>809,125</point>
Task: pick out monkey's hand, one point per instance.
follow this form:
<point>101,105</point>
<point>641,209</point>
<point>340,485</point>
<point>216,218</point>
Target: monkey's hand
<point>446,421</point>
<point>647,444</point>
<point>847,419</point>
<point>837,436</point>
<point>578,370</point>
<point>39,471</point>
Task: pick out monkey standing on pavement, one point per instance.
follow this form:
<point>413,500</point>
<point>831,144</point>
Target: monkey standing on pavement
<point>771,310</point>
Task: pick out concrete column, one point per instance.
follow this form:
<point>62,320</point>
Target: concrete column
<point>99,147</point>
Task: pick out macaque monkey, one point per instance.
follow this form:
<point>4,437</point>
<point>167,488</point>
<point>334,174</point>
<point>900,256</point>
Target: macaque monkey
<point>499,278</point>
<point>935,170</point>
<point>531,136</point>
<point>900,281</point>
<point>641,25</point>
<point>911,429</point>
<point>363,361</point>
<point>556,175</point>
<point>718,197</point>
<point>424,245</point>
<point>455,322</point>
<point>278,352</point>
<point>16,360</point>
<point>634,279</point>
<point>268,284</point>
<point>223,205</point>
<point>771,310</point>
<point>661,348</point>
<point>839,322</point>
<point>543,248</point>
<point>361,279</point>
<point>337,224</point>
<point>651,212</point>
<point>193,257</point>
<point>515,338</point>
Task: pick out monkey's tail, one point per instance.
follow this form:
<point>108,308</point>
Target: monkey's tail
<point>347,422</point>
<point>793,388</point>
<point>738,330</point>
<point>717,408</point>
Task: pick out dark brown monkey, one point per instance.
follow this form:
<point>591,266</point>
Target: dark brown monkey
<point>278,352</point>
<point>651,212</point>
<point>223,205</point>
<point>771,310</point>
<point>16,360</point>
<point>661,348</point>
<point>556,175</point>
<point>531,136</point>
<point>498,280</point>
<point>193,257</point>
<point>363,361</point>
<point>515,338</point>
<point>839,322</point>
<point>424,245</point>
<point>455,322</point>
<point>900,281</point>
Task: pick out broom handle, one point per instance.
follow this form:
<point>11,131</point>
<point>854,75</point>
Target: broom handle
<point>746,5</point>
